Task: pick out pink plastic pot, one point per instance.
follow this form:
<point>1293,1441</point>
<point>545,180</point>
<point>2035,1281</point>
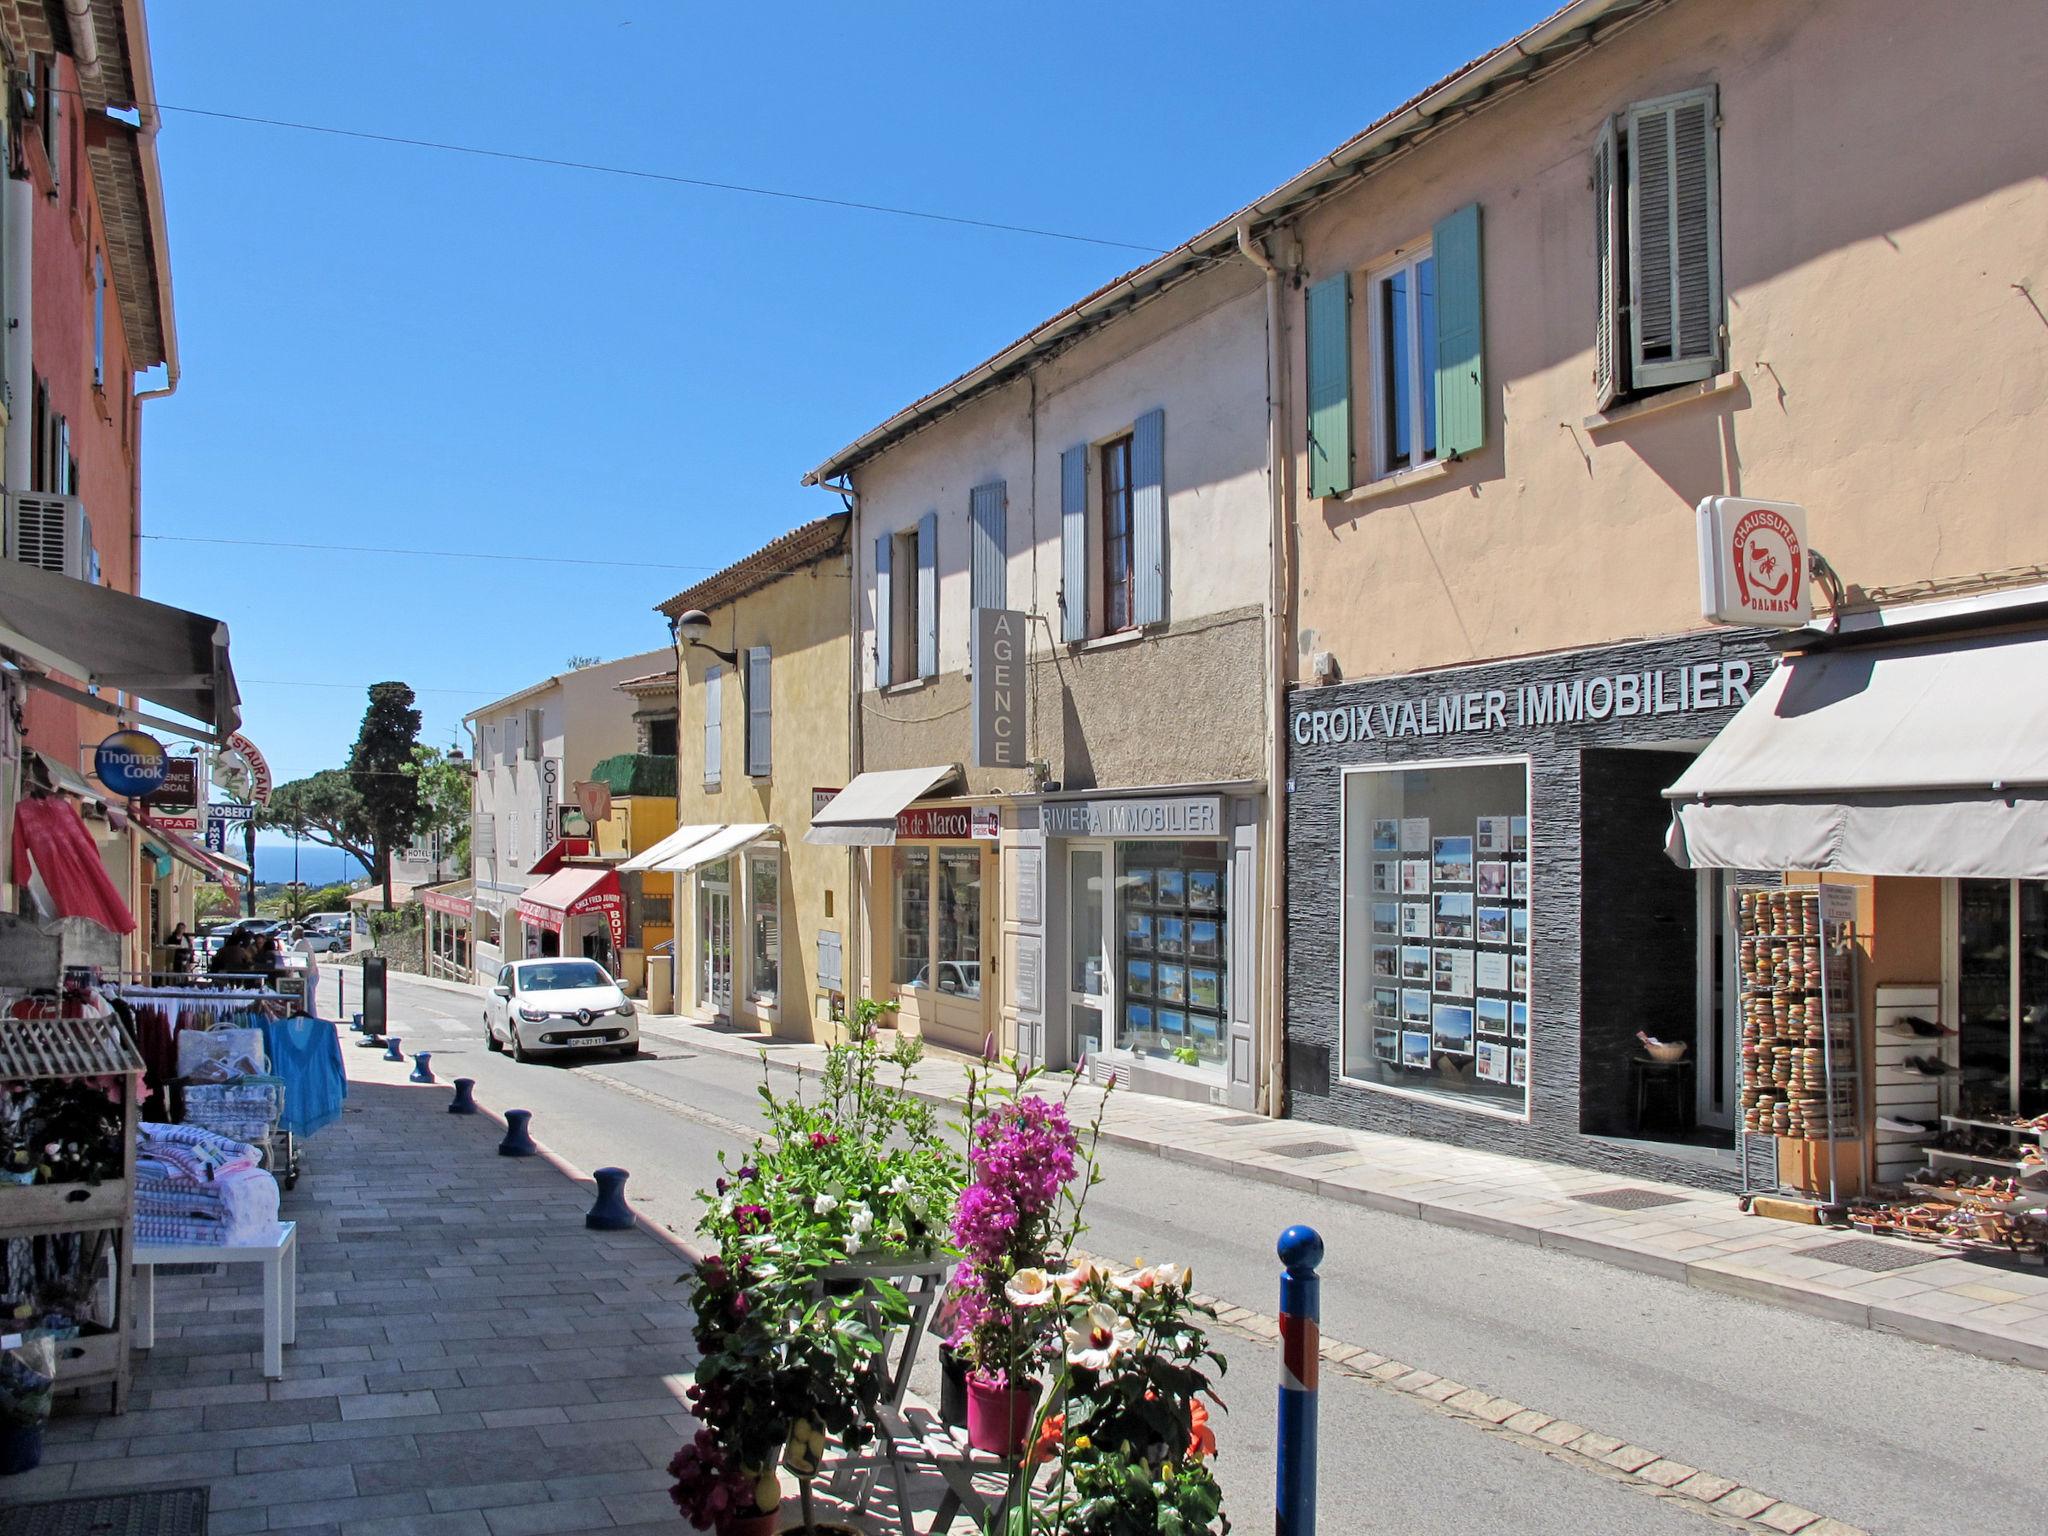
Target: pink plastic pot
<point>999,1418</point>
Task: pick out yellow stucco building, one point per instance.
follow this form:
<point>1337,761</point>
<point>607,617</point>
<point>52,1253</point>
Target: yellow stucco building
<point>762,661</point>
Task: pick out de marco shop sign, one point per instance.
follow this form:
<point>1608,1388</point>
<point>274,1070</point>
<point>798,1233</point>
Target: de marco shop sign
<point>1578,699</point>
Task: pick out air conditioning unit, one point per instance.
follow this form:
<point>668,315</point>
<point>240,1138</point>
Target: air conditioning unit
<point>49,532</point>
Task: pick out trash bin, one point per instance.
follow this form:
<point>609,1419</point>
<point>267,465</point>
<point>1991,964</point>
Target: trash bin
<point>374,1014</point>
<point>661,983</point>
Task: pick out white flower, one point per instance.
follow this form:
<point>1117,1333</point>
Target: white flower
<point>863,1220</point>
<point>1100,1337</point>
<point>852,1243</point>
<point>916,1206</point>
<point>1070,1283</point>
<point>1029,1288</point>
<point>825,1205</point>
<point>1142,1280</point>
<point>1172,1277</point>
<point>900,1185</point>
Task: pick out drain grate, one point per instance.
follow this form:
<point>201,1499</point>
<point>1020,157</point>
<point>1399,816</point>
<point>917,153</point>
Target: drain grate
<point>1868,1253</point>
<point>1629,1199</point>
<point>159,1512</point>
<point>1239,1120</point>
<point>1306,1148</point>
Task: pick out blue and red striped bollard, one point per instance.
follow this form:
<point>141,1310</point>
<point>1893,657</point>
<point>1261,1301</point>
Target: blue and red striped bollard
<point>1301,1349</point>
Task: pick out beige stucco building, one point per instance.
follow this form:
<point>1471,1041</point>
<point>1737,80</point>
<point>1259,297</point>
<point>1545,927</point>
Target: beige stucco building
<point>762,657</point>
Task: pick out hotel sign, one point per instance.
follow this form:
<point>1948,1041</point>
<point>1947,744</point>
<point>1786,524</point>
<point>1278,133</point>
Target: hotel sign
<point>996,657</point>
<point>1191,816</point>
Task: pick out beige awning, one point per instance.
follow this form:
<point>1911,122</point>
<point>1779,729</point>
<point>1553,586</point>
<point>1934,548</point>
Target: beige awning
<point>722,843</point>
<point>863,814</point>
<point>1881,759</point>
<point>675,844</point>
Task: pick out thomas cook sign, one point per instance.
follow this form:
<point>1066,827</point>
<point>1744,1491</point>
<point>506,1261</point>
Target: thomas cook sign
<point>997,658</point>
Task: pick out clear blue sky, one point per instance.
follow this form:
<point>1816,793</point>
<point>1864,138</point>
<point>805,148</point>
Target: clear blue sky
<point>398,347</point>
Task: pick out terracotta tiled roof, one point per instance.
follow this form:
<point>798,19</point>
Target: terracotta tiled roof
<point>795,550</point>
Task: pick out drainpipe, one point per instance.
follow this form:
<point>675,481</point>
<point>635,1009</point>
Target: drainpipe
<point>19,344</point>
<point>850,951</point>
<point>1272,1085</point>
<point>136,27</point>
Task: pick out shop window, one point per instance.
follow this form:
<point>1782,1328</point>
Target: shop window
<point>913,915</point>
<point>959,922</point>
<point>1436,932</point>
<point>764,907</point>
<point>2002,997</point>
<point>1173,987</point>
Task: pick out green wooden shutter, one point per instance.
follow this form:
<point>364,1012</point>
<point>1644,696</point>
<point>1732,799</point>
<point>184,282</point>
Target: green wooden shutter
<point>1608,249</point>
<point>1329,386</point>
<point>1674,240</point>
<point>1460,334</point>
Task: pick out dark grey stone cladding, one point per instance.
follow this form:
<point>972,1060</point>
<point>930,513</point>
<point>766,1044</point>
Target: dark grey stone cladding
<point>1314,886</point>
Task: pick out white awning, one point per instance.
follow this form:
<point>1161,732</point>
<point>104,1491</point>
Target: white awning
<point>863,815</point>
<point>1876,759</point>
<point>677,842</point>
<point>118,642</point>
<point>723,842</point>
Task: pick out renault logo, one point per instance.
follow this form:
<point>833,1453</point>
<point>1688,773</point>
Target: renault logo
<point>583,1015</point>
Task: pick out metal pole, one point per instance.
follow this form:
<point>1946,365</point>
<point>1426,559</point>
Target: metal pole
<point>249,847</point>
<point>1294,1493</point>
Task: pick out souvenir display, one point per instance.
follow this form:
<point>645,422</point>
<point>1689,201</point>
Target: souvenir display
<point>1791,1037</point>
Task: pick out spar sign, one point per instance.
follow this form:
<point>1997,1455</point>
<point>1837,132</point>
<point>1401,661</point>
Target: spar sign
<point>1753,558</point>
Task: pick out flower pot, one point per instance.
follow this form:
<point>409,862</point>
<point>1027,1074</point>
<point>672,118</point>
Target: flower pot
<point>999,1418</point>
<point>952,1388</point>
<point>21,1448</point>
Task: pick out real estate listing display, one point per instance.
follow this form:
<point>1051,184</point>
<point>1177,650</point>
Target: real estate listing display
<point>1174,973</point>
<point>1456,941</point>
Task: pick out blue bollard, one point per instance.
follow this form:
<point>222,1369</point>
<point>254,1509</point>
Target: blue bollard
<point>518,1140</point>
<point>464,1102</point>
<point>391,1050</point>
<point>610,1213</point>
<point>421,1072</point>
<point>1294,1494</point>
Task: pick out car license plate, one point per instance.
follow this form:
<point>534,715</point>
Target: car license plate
<point>586,1039</point>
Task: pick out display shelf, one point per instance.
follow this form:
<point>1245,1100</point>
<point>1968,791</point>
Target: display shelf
<point>2039,1133</point>
<point>2013,1164</point>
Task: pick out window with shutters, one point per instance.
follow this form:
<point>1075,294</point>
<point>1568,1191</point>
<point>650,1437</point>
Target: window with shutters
<point>1113,477</point>
<point>99,320</point>
<point>905,622</point>
<point>714,724</point>
<point>1657,217</point>
<point>760,714</point>
<point>1403,316</point>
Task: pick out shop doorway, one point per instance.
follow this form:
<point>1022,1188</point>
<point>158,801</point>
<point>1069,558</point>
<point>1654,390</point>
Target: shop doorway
<point>1998,973</point>
<point>939,949</point>
<point>714,927</point>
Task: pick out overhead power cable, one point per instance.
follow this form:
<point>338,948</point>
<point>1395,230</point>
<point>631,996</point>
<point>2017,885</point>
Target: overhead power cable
<point>466,554</point>
<point>669,178</point>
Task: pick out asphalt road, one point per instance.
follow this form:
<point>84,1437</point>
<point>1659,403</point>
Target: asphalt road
<point>1871,1429</point>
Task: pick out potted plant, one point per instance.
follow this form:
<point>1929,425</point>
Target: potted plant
<point>28,1373</point>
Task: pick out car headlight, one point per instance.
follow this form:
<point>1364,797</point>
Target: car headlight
<point>624,1010</point>
<point>531,1017</point>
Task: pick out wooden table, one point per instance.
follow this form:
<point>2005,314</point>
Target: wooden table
<point>279,1256</point>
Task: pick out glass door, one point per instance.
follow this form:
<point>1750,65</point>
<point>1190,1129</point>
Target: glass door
<point>714,903</point>
<point>2001,978</point>
<point>1088,948</point>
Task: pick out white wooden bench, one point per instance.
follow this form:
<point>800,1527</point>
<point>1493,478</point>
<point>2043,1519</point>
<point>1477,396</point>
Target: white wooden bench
<point>279,1257</point>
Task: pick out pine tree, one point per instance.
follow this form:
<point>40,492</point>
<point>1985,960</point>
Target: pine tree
<point>379,766</point>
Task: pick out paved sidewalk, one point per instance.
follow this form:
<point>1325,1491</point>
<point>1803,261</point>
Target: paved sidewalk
<point>471,1361</point>
<point>1695,1237</point>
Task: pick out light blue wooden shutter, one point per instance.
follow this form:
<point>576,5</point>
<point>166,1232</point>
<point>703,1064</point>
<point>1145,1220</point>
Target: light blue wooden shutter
<point>1074,543</point>
<point>1460,334</point>
<point>1674,240</point>
<point>1329,386</point>
<point>1148,519</point>
<point>714,722</point>
<point>884,620</point>
<point>760,714</point>
<point>989,572</point>
<point>928,595</point>
<point>1609,244</point>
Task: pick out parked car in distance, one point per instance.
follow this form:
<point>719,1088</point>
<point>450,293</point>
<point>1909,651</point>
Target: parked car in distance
<point>324,932</point>
<point>559,1004</point>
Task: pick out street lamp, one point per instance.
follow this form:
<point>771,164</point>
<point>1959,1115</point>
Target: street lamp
<point>692,627</point>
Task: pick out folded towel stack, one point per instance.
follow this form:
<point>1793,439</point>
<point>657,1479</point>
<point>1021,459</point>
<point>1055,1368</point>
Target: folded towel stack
<point>192,1186</point>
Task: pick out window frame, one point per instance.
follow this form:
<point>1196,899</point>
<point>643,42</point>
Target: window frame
<point>756,859</point>
<point>1113,449</point>
<point>906,622</point>
<point>1420,381</point>
<point>712,736</point>
<point>99,319</point>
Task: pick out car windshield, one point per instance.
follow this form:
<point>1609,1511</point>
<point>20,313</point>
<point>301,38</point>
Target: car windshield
<point>561,976</point>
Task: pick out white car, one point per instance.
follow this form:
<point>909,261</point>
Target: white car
<point>559,1004</point>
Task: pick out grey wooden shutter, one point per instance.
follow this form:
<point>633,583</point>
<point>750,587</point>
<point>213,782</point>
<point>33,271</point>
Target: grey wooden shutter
<point>1074,543</point>
<point>1674,240</point>
<point>1329,386</point>
<point>989,570</point>
<point>928,595</point>
<point>1608,247</point>
<point>760,714</point>
<point>714,723</point>
<point>884,620</point>
<point>1148,519</point>
<point>1460,382</point>
<point>1241,980</point>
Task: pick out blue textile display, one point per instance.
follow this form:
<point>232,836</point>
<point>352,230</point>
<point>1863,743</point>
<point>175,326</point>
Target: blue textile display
<point>306,1053</point>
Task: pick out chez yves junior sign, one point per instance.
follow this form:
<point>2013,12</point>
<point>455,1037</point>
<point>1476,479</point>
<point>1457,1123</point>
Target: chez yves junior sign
<point>1575,695</point>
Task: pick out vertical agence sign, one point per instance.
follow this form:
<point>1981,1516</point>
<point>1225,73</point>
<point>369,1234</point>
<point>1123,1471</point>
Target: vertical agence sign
<point>997,659</point>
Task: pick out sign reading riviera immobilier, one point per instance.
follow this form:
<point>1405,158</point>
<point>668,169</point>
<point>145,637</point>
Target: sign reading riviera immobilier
<point>1186,816</point>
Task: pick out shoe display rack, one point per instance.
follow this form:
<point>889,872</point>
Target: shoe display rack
<point>1799,1032</point>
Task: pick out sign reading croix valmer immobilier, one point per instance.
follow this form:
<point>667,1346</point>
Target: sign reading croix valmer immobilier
<point>1753,557</point>
<point>996,656</point>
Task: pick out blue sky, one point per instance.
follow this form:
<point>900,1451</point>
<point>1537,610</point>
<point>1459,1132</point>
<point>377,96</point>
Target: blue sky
<point>395,347</point>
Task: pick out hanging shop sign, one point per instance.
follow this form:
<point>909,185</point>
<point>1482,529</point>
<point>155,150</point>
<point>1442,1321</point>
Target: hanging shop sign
<point>242,770</point>
<point>174,804</point>
<point>996,658</point>
<point>1193,816</point>
<point>550,796</point>
<point>131,763</point>
<point>1753,557</point>
<point>985,824</point>
<point>934,823</point>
